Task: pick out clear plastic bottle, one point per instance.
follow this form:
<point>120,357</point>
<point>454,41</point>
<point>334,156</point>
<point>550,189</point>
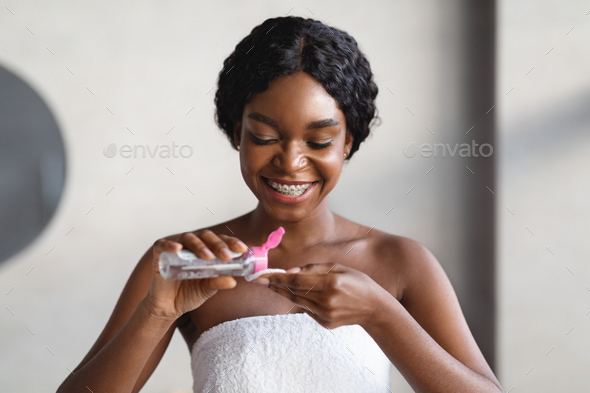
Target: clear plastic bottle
<point>185,265</point>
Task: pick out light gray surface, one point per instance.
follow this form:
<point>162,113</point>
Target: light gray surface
<point>544,169</point>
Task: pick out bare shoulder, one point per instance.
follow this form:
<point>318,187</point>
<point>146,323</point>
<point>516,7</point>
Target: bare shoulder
<point>411,259</point>
<point>413,263</point>
<point>398,257</point>
<point>388,259</point>
<point>398,263</point>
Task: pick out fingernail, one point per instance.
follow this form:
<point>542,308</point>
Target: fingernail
<point>294,270</point>
<point>208,253</point>
<point>226,252</point>
<point>241,244</point>
<point>263,281</point>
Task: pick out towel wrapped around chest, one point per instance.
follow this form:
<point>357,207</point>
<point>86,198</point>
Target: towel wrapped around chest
<point>288,353</point>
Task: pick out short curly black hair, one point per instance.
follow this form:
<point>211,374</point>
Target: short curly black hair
<point>285,45</point>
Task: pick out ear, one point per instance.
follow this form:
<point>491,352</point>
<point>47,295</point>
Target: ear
<point>348,142</point>
<point>237,133</point>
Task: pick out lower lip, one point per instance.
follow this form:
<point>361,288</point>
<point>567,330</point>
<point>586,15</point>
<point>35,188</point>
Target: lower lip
<point>285,198</point>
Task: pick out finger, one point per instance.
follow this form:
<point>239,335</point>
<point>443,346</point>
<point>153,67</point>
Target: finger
<point>317,283</point>
<point>224,282</point>
<point>218,246</point>
<point>263,281</point>
<point>318,298</point>
<point>234,243</point>
<point>319,319</point>
<point>322,268</point>
<point>191,242</point>
<point>311,308</point>
<point>300,300</point>
<point>161,245</point>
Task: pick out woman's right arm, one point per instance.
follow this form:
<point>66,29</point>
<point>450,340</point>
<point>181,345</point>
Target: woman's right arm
<point>140,328</point>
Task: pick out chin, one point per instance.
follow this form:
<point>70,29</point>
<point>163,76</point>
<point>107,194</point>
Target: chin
<point>286,213</point>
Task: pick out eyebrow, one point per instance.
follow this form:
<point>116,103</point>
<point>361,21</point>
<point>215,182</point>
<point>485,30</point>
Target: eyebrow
<point>273,123</point>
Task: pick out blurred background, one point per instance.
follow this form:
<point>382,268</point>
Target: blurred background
<point>510,225</point>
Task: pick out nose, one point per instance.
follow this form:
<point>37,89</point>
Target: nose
<point>291,158</point>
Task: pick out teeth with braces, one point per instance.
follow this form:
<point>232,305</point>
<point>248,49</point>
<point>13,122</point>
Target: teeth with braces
<point>289,190</point>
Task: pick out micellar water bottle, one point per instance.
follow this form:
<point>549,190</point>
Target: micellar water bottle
<point>184,264</point>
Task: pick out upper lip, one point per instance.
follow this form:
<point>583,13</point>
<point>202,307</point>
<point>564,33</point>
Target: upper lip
<point>287,182</point>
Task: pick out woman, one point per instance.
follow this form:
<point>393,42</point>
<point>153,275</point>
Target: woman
<point>296,99</point>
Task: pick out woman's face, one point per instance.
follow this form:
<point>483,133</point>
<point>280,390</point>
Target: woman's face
<point>292,132</point>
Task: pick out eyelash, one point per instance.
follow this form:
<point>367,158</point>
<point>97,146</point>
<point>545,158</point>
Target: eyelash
<point>317,146</point>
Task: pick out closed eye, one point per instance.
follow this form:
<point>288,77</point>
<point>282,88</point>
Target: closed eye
<point>320,145</point>
<point>262,141</point>
<point>313,145</point>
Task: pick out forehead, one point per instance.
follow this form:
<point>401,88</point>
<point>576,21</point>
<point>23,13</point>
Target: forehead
<point>295,99</point>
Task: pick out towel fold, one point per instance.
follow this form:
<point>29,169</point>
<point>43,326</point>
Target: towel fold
<point>288,353</point>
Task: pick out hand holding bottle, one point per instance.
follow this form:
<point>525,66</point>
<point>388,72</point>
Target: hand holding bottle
<point>185,265</point>
<point>172,298</point>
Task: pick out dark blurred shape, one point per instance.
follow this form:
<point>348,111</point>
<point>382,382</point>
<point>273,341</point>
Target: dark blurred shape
<point>32,164</point>
<point>480,265</point>
<point>467,99</point>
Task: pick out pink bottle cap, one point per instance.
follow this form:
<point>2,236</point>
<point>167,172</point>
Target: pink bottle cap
<point>261,253</point>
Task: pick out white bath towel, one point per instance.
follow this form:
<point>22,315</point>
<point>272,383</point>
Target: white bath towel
<point>288,353</point>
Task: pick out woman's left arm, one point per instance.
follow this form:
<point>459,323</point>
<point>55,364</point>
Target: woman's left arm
<point>425,336</point>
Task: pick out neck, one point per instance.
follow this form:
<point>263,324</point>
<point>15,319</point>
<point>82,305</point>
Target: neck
<point>315,228</point>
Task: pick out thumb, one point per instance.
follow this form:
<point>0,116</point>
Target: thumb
<point>215,283</point>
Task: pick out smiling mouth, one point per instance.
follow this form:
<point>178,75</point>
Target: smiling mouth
<point>289,190</point>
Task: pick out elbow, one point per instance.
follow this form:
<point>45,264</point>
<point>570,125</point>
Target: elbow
<point>63,387</point>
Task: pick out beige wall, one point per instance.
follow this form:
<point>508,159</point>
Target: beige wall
<point>150,63</point>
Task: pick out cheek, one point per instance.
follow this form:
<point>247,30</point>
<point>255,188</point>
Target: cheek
<point>251,164</point>
<point>246,167</point>
<point>330,167</point>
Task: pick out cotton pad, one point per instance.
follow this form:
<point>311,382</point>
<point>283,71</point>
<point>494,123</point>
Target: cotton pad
<point>254,276</point>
